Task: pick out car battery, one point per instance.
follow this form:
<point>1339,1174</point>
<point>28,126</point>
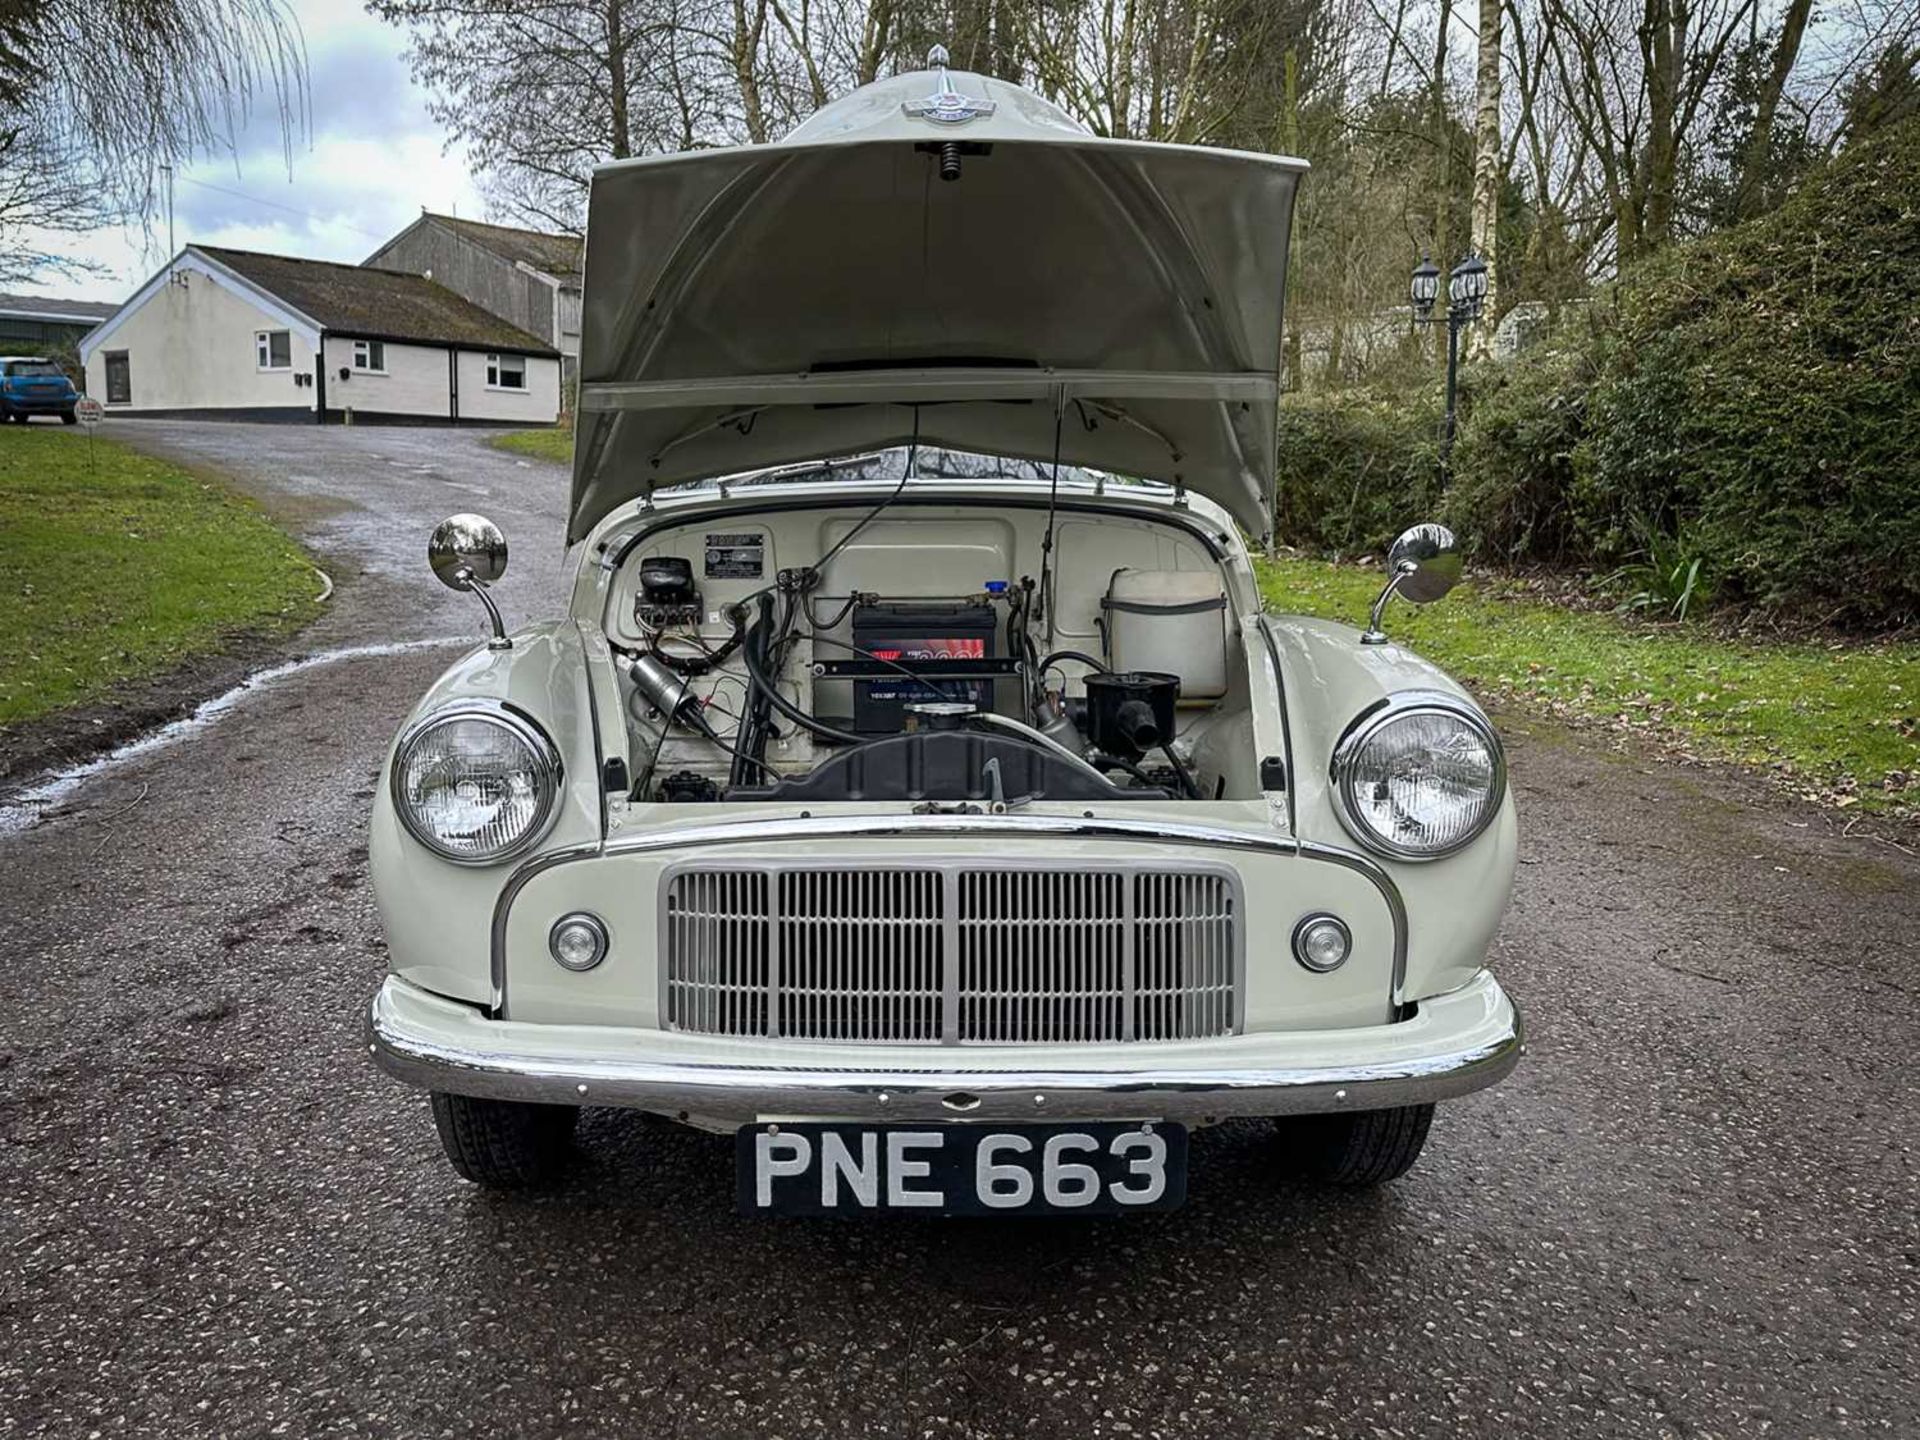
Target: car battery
<point>920,635</point>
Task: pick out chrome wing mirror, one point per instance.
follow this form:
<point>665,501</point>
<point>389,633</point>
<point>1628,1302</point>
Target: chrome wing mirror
<point>1422,566</point>
<point>468,552</point>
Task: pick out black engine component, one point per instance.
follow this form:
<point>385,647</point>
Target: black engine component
<point>667,593</point>
<point>1131,713</point>
<point>667,580</point>
<point>688,786</point>
<point>915,636</point>
<point>944,765</point>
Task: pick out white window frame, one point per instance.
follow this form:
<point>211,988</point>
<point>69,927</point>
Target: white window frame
<point>363,357</point>
<point>263,351</point>
<point>497,370</point>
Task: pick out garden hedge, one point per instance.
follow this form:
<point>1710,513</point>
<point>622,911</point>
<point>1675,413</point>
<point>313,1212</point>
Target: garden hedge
<point>1752,397</point>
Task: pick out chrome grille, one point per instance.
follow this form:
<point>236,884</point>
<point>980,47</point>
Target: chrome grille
<point>940,954</point>
<point>717,935</point>
<point>1184,971</point>
<point>1043,955</point>
<point>859,955</point>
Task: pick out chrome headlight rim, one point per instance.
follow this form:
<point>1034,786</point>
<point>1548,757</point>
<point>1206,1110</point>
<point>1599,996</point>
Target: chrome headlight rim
<point>1369,722</point>
<point>547,768</point>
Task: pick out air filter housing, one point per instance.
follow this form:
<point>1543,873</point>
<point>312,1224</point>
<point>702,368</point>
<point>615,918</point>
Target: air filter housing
<point>1131,712</point>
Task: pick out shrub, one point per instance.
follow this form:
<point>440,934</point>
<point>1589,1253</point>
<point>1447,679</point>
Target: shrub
<point>1752,399</point>
<point>1511,497</point>
<point>1761,391</point>
<point>1357,467</point>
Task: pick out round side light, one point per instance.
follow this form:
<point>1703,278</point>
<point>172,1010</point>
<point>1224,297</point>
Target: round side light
<point>1322,943</point>
<point>579,941</point>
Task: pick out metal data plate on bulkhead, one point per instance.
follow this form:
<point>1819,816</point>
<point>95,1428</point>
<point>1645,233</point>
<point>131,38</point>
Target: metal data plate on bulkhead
<point>736,556</point>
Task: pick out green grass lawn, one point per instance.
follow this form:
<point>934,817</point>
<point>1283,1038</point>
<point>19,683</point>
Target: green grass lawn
<point>555,444</point>
<point>1838,721</point>
<point>119,567</point>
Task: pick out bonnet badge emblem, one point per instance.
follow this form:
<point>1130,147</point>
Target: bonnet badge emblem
<point>946,106</point>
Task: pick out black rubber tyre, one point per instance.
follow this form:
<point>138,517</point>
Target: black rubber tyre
<point>1368,1147</point>
<point>67,417</point>
<point>504,1144</point>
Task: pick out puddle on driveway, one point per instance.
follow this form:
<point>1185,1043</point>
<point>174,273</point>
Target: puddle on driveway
<point>23,809</point>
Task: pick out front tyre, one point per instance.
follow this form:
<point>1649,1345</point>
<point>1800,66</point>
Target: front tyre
<point>505,1144</point>
<point>1368,1147</point>
<point>68,417</point>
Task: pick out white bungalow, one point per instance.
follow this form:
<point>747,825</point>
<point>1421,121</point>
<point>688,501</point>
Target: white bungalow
<point>233,334</point>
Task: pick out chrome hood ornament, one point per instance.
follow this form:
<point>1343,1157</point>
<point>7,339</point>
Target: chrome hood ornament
<point>946,106</point>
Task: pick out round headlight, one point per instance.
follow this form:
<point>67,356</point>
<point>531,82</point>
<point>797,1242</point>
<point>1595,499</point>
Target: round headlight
<point>476,782</point>
<point>1420,776</point>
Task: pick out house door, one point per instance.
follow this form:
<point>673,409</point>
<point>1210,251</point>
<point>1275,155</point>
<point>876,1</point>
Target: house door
<point>119,379</point>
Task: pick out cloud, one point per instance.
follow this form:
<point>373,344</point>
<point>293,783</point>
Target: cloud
<point>372,160</point>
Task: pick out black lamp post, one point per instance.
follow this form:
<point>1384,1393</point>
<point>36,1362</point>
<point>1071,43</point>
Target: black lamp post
<point>1466,292</point>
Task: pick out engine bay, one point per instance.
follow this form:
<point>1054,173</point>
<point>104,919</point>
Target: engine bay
<point>946,654</point>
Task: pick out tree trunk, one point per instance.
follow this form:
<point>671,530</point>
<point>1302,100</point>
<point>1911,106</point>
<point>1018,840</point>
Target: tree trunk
<point>1123,65</point>
<point>875,36</point>
<point>1666,22</point>
<point>1006,51</point>
<point>804,47</point>
<point>621,136</point>
<point>746,57</point>
<point>1793,29</point>
<point>1437,104</point>
<point>1486,171</point>
<point>1442,228</point>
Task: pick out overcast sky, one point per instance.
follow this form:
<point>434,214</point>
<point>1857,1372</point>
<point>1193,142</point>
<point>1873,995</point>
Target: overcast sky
<point>372,159</point>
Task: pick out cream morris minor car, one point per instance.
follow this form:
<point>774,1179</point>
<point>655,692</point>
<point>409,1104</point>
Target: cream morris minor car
<point>915,788</point>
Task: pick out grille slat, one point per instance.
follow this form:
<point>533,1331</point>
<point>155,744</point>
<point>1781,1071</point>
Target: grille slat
<point>943,955</point>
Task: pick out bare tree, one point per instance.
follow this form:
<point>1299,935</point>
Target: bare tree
<point>97,95</point>
<point>45,196</point>
<point>542,91</point>
<point>1597,129</point>
<point>1488,171</point>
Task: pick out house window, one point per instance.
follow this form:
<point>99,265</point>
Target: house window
<point>370,355</point>
<point>273,349</point>
<point>506,372</point>
<point>119,378</point>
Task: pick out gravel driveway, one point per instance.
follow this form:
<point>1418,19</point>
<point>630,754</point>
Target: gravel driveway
<point>1691,1212</point>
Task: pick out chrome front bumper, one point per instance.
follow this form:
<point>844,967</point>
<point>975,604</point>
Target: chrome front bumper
<point>1454,1044</point>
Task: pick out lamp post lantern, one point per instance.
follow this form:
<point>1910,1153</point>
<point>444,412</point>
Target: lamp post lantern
<point>1466,293</point>
<point>1425,287</point>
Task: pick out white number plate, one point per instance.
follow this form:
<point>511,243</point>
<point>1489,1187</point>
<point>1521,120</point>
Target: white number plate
<point>1094,1168</point>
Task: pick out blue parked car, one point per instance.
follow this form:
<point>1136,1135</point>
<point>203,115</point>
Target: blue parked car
<point>31,385</point>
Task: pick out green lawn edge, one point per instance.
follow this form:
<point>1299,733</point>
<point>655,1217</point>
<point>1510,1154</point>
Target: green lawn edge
<point>555,445</point>
<point>116,567</point>
<point>1836,722</point>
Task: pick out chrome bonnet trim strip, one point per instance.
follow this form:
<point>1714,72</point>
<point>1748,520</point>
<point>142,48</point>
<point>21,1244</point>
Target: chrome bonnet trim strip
<point>923,827</point>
